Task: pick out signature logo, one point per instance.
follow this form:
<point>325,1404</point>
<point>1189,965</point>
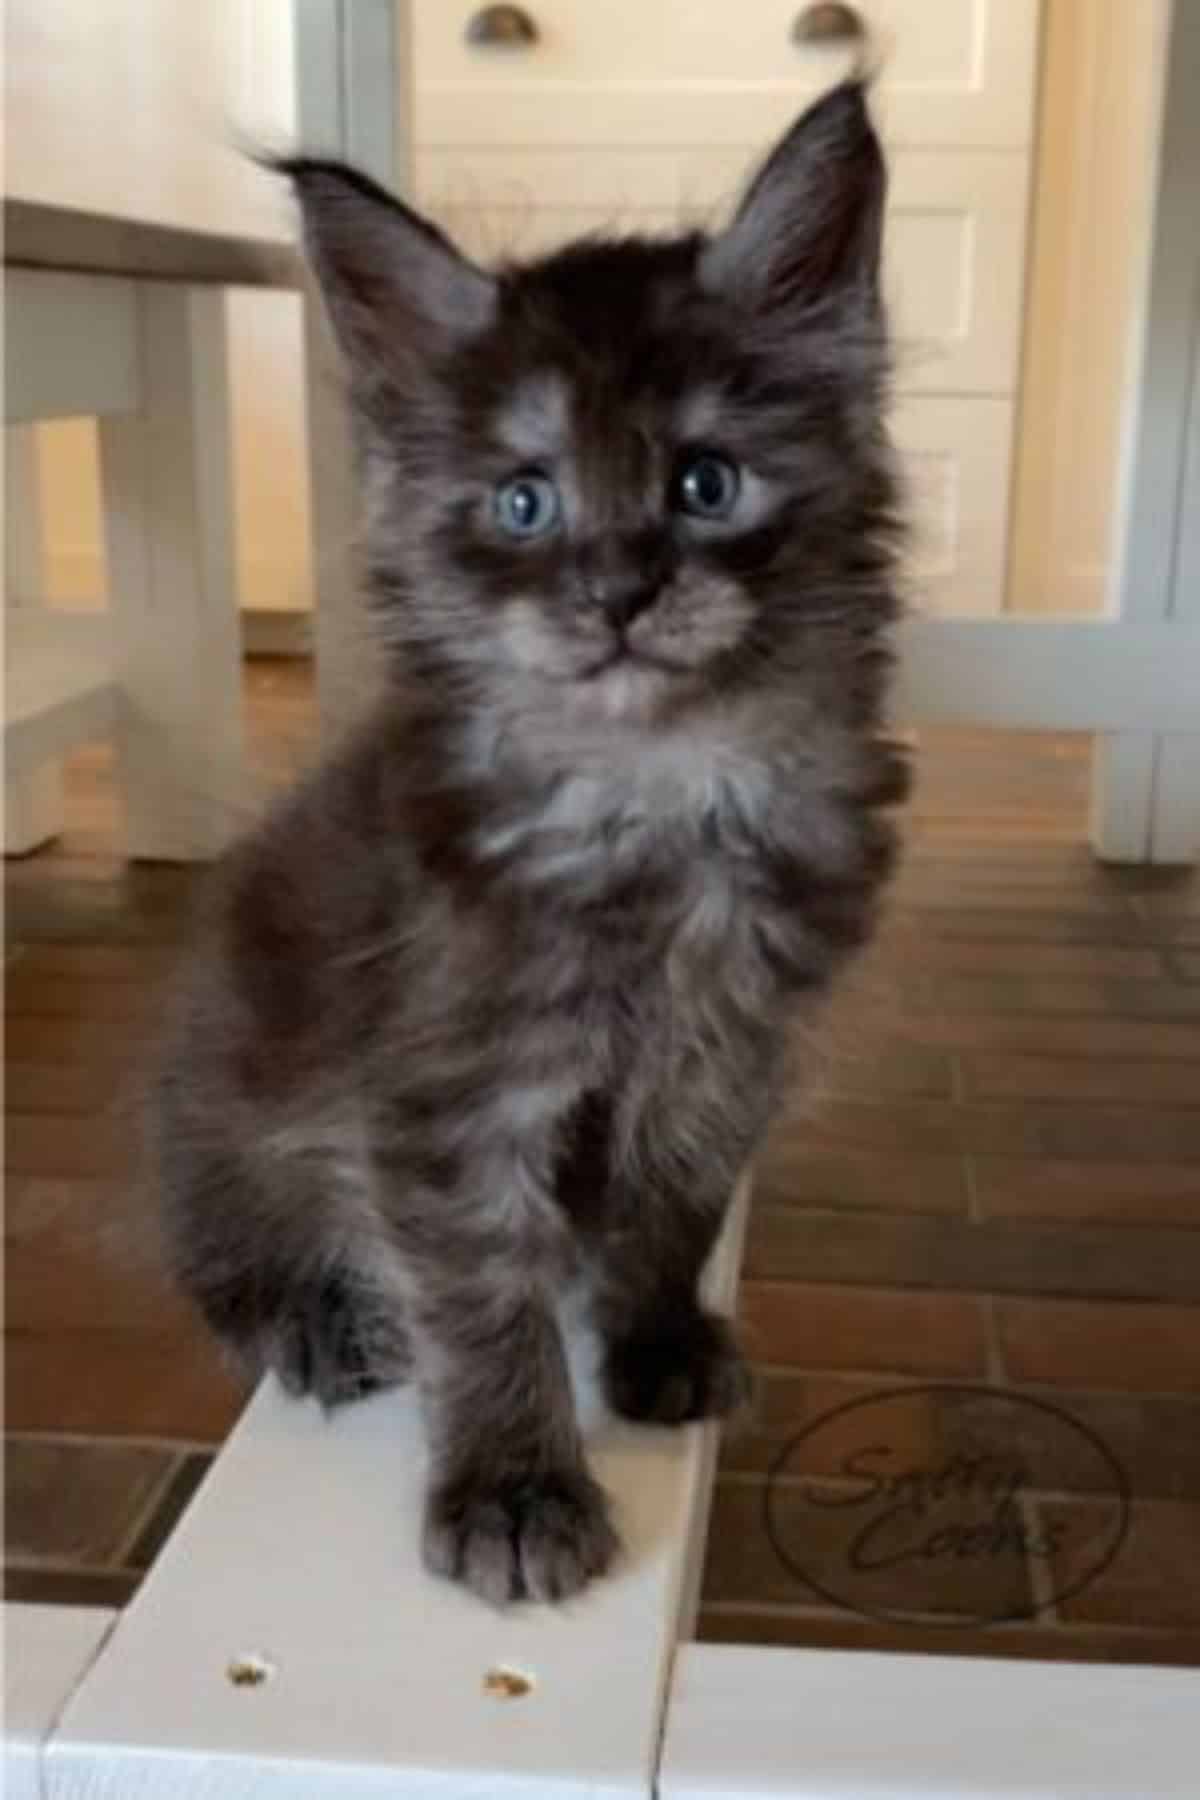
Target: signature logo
<point>946,1505</point>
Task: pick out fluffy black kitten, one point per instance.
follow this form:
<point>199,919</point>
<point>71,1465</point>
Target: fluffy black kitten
<point>499,998</point>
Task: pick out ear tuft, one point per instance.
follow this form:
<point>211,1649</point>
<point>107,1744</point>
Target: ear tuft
<point>396,289</point>
<point>809,229</point>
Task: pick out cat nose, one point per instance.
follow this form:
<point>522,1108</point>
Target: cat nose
<point>622,598</point>
<point>623,580</point>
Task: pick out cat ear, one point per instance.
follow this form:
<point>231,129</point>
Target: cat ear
<point>396,289</point>
<point>810,226</point>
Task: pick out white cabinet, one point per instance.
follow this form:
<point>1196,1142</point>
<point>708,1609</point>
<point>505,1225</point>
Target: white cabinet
<point>719,71</point>
<point>644,113</point>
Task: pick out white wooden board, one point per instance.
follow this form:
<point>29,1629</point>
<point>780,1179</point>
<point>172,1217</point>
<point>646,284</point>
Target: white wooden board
<point>302,1549</point>
<point>1048,674</point>
<point>46,1651</point>
<point>58,686</point>
<point>747,1723</point>
<point>70,346</point>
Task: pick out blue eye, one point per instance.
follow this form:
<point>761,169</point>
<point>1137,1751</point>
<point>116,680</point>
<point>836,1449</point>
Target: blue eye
<point>707,486</point>
<point>527,506</point>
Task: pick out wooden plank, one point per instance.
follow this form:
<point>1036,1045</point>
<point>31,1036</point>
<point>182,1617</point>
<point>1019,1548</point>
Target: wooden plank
<point>302,1550</point>
<point>747,1723</point>
<point>1050,674</point>
<point>70,346</point>
<point>168,519</point>
<point>59,690</point>
<point>47,1650</point>
<point>37,236</point>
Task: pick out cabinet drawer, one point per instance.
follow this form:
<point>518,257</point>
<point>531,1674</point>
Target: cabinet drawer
<point>956,457</point>
<point>673,71</point>
<point>954,249</point>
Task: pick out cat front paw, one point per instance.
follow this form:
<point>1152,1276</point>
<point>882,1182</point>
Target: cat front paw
<point>538,1536</point>
<point>673,1372</point>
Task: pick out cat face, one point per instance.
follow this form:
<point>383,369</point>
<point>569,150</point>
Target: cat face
<point>634,473</point>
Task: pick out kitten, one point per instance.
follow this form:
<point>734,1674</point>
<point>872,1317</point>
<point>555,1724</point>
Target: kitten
<point>499,998</point>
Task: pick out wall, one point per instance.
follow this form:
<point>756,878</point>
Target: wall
<point>1102,63</point>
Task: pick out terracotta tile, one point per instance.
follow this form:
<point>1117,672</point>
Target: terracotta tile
<point>1042,1640</point>
<point>1134,1193</point>
<point>831,1327</point>
<point>1176,892</point>
<point>1061,924</point>
<point>1060,868</point>
<point>1052,1129</point>
<point>819,1532</point>
<point>910,1070</point>
<point>1099,1344</point>
<point>787,1406</point>
<point>1181,931</point>
<point>31,994</point>
<point>75,1211</point>
<point>942,871</point>
<point>1045,1035</point>
<point>176,1499</point>
<point>99,962</point>
<point>85,1087</point>
<point>1039,961</point>
<point>119,1383</point>
<point>1007,1077</point>
<point>86,1041</point>
<point>790,1173</point>
<point>99,1145</point>
<point>1153,1438</point>
<point>1001,1256</point>
<point>970,994</point>
<point>74,1502</point>
<point>1155,1576</point>
<point>70,1282</point>
<point>71,1587</point>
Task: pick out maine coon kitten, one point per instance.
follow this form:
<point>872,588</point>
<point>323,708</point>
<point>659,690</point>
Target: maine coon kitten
<point>499,998</point>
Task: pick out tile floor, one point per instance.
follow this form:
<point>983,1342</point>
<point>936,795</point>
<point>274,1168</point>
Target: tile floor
<point>980,1254</point>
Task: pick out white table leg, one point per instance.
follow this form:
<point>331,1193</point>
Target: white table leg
<point>1146,786</point>
<point>168,514</point>
<point>352,82</point>
<point>33,804</point>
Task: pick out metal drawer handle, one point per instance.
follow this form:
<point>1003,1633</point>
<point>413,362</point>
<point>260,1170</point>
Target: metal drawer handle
<point>502,28</point>
<point>828,22</point>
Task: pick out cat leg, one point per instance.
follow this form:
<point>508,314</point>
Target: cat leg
<point>267,1249</point>
<point>512,1511</point>
<point>667,1358</point>
<point>339,1338</point>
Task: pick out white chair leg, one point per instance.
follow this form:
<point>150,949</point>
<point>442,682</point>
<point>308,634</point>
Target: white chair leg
<point>1146,798</point>
<point>168,516</point>
<point>1122,796</point>
<point>33,804</point>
